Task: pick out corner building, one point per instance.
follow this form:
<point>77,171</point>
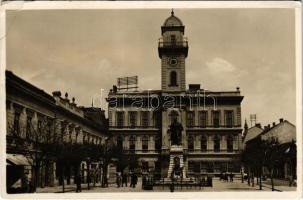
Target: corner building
<point>139,120</point>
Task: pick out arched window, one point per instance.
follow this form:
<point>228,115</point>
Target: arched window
<point>216,143</point>
<point>132,143</point>
<point>230,143</point>
<point>203,143</point>
<point>120,142</point>
<point>190,143</point>
<point>145,143</point>
<point>173,78</point>
<point>173,116</point>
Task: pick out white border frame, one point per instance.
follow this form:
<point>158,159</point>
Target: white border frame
<point>45,5</point>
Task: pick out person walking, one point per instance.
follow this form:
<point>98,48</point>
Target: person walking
<point>132,180</point>
<point>231,177</point>
<point>124,179</point>
<point>135,180</point>
<point>78,183</point>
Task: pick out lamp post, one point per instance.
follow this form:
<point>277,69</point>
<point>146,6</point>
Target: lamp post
<point>88,168</point>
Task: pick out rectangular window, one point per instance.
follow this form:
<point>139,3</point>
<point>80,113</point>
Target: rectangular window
<point>157,119</point>
<point>229,118</point>
<point>203,143</point>
<point>132,143</point>
<point>132,118</point>
<point>204,167</point>
<point>16,123</point>
<point>190,119</point>
<point>203,118</point>
<point>145,144</point>
<point>216,118</point>
<point>28,127</point>
<point>197,167</point>
<point>120,119</point>
<point>190,143</point>
<point>191,166</point>
<point>144,118</point>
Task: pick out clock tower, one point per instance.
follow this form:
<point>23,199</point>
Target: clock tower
<point>173,49</point>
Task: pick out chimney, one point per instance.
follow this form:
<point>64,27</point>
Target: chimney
<point>194,87</point>
<point>238,89</point>
<point>56,94</point>
<point>258,125</point>
<point>281,120</point>
<point>268,126</point>
<point>273,124</point>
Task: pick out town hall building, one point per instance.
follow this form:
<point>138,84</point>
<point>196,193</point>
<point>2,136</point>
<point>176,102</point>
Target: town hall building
<point>209,121</point>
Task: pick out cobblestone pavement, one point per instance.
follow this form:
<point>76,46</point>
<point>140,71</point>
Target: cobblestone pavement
<point>218,186</point>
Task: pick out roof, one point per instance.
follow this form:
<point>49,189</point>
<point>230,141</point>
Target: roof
<point>252,133</point>
<point>173,21</point>
<point>284,131</point>
<point>15,81</point>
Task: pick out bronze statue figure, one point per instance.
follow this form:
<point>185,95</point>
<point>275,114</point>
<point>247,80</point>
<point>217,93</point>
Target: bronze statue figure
<point>176,133</point>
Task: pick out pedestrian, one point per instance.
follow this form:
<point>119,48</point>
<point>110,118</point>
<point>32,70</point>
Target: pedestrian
<point>132,180</point>
<point>78,183</point>
<point>124,179</point>
<point>172,187</point>
<point>231,177</point>
<point>221,176</point>
<point>135,180</point>
<point>118,179</point>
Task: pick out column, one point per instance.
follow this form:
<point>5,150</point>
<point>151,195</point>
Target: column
<point>223,145</point>
<point>210,142</point>
<point>151,143</point>
<point>22,123</point>
<point>139,143</point>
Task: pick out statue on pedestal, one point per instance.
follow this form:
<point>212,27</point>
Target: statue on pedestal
<point>176,133</point>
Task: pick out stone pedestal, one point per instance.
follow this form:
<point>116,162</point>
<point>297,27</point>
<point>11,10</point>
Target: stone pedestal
<point>176,151</point>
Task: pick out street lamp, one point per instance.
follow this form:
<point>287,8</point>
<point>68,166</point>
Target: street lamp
<point>88,176</point>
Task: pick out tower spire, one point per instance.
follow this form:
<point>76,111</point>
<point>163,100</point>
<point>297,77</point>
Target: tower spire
<point>172,12</point>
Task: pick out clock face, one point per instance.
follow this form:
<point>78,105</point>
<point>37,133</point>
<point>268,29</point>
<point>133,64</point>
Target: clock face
<point>173,61</point>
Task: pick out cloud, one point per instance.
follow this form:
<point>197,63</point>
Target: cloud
<point>220,65</point>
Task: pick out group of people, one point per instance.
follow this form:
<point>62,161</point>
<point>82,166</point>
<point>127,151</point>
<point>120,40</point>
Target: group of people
<point>122,179</point>
<point>227,176</point>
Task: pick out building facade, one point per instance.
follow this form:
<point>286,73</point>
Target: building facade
<point>211,120</point>
<point>282,147</point>
<point>35,118</point>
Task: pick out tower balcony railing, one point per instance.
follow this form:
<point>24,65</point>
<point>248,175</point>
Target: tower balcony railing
<point>171,44</point>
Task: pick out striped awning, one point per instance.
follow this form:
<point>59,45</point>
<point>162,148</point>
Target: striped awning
<point>17,159</point>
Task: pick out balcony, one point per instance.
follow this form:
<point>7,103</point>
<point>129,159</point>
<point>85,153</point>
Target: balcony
<point>173,44</point>
<point>212,151</point>
<point>173,48</point>
<point>214,127</point>
<point>133,128</point>
<point>141,151</point>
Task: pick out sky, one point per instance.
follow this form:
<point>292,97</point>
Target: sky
<point>84,51</point>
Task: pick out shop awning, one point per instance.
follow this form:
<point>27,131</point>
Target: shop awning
<point>17,159</point>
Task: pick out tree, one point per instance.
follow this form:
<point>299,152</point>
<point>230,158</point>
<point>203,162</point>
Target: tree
<point>38,141</point>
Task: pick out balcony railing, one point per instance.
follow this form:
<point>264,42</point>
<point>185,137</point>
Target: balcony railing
<point>212,151</point>
<point>215,126</point>
<point>173,44</point>
<point>133,127</point>
<point>141,151</point>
